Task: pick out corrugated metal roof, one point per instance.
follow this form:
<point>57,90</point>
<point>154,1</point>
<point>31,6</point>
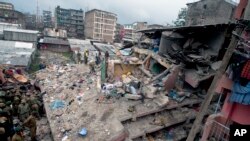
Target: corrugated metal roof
<point>8,26</point>
<point>15,53</point>
<point>106,47</point>
<point>81,44</point>
<point>58,41</point>
<point>22,31</point>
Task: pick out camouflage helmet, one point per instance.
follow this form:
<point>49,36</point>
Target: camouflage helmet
<point>16,121</point>
<point>2,105</point>
<point>2,100</point>
<point>16,98</point>
<point>2,94</point>
<point>8,103</point>
<point>23,101</point>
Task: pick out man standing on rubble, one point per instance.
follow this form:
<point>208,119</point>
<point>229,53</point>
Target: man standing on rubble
<point>86,55</point>
<point>92,67</point>
<point>98,58</point>
<point>79,57</point>
<point>23,110</point>
<point>106,63</point>
<point>30,122</point>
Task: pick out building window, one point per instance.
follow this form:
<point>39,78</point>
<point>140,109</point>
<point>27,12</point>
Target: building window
<point>205,6</point>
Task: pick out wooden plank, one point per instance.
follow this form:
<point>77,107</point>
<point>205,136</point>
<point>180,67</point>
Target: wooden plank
<point>146,72</point>
<point>157,57</point>
<point>159,76</point>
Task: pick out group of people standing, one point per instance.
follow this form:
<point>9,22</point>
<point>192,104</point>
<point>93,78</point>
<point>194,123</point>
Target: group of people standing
<point>21,105</point>
<point>91,63</point>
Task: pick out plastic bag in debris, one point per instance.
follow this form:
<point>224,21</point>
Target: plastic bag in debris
<point>132,90</point>
<point>83,132</point>
<point>107,86</point>
<point>57,104</point>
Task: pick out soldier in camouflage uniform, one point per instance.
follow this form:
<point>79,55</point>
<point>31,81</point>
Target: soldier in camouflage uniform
<point>23,110</point>
<point>35,104</point>
<point>2,96</point>
<point>15,104</point>
<point>9,110</point>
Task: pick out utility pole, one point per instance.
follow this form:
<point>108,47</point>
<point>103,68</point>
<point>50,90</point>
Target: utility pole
<point>37,14</point>
<point>203,109</point>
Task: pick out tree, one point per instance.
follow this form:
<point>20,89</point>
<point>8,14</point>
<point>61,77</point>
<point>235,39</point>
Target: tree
<point>180,21</point>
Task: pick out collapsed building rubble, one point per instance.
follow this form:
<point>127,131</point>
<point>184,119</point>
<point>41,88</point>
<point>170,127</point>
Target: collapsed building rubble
<point>104,115</point>
<point>139,90</point>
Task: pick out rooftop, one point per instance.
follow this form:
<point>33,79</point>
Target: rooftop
<point>101,11</point>
<point>22,31</point>
<point>15,53</point>
<point>229,1</point>
<point>81,44</point>
<point>58,41</point>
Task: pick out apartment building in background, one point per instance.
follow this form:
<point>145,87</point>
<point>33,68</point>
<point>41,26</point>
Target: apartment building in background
<point>47,18</point>
<point>70,20</point>
<point>12,16</point>
<point>130,31</point>
<point>119,33</point>
<point>5,5</point>
<point>30,21</point>
<point>100,25</point>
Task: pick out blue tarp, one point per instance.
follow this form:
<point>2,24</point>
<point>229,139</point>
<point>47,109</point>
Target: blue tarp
<point>240,94</point>
<point>57,104</point>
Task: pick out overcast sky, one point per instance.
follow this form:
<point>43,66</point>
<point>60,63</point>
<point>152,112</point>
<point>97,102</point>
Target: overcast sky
<point>128,11</point>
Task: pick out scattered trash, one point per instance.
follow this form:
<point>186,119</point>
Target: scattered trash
<point>131,109</point>
<point>65,138</point>
<point>174,95</point>
<point>57,104</point>
<point>83,132</point>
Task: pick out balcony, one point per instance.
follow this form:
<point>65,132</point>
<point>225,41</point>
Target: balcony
<point>216,128</point>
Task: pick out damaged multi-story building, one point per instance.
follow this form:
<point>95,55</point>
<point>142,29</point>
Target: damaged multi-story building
<point>9,15</point>
<point>47,19</point>
<point>205,12</point>
<point>119,33</point>
<point>71,20</point>
<point>130,31</point>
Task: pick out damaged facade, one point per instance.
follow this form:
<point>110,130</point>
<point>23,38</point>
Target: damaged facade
<point>207,12</point>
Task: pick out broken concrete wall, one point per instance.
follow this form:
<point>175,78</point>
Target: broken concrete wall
<point>171,78</point>
<point>216,40</point>
<point>57,48</point>
<point>167,39</point>
<point>213,39</point>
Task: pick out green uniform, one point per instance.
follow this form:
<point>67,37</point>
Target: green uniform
<point>23,111</point>
<point>86,55</point>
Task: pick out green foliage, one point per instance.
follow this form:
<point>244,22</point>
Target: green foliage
<point>180,21</point>
<point>34,66</point>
